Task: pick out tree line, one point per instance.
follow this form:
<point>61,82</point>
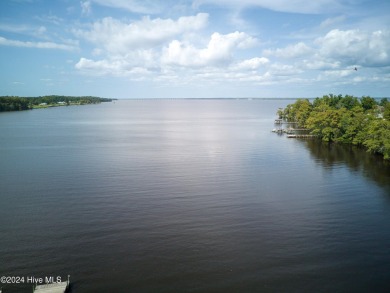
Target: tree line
<point>361,121</point>
<point>15,103</point>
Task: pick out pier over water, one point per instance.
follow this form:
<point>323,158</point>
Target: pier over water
<point>60,287</point>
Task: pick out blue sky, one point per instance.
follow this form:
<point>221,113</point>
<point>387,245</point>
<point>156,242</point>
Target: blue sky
<point>195,49</point>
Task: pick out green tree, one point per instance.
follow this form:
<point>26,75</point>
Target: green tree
<point>348,102</point>
<point>383,102</point>
<point>386,111</point>
<point>368,103</point>
<point>346,120</point>
<point>378,137</point>
<point>301,111</point>
<point>324,121</point>
<point>351,126</point>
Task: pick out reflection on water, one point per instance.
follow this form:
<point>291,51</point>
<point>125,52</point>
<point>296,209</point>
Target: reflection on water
<point>187,196</point>
<point>357,159</point>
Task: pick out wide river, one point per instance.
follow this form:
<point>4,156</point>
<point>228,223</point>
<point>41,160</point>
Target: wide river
<point>187,196</point>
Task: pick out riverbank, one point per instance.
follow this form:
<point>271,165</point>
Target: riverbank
<point>344,119</point>
<point>16,103</point>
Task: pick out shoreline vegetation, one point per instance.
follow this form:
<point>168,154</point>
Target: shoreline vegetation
<point>16,103</point>
<point>345,119</point>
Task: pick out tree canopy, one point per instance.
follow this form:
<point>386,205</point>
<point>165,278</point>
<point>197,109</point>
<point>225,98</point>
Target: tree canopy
<point>345,119</point>
<point>14,103</point>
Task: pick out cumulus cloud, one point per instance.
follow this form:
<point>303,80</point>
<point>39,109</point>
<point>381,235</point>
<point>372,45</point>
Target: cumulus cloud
<point>219,50</point>
<point>111,67</point>
<point>121,64</point>
<point>177,51</point>
<point>338,49</point>
<point>119,37</point>
<point>356,47</point>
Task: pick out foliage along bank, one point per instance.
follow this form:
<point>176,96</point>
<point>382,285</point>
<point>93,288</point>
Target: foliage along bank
<point>344,119</point>
<point>15,103</point>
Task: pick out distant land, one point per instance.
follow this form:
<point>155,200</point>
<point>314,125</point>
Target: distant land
<point>15,103</point>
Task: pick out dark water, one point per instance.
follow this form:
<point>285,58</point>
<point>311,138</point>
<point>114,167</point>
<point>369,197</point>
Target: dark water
<point>187,196</point>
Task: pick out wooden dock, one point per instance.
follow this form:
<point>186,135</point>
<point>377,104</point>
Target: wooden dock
<point>280,130</point>
<point>288,130</point>
<point>291,131</point>
<point>60,287</point>
<point>280,121</point>
<point>300,135</point>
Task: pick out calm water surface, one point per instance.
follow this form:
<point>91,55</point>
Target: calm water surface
<point>187,196</point>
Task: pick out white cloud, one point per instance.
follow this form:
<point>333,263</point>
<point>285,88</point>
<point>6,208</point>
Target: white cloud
<point>337,50</point>
<point>30,30</point>
<point>121,65</point>
<point>339,73</point>
<point>316,63</point>
<point>332,21</point>
<point>207,76</point>
<point>120,37</point>
<point>358,79</point>
<point>180,54</point>
<point>15,28</point>
<point>41,30</point>
<point>284,69</point>
<point>176,51</point>
<point>252,64</point>
<point>136,6</point>
<point>356,47</point>
<point>100,66</point>
<point>86,7</point>
<point>291,51</point>
<point>219,50</point>
<point>39,45</point>
<point>110,67</point>
<point>52,19</point>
